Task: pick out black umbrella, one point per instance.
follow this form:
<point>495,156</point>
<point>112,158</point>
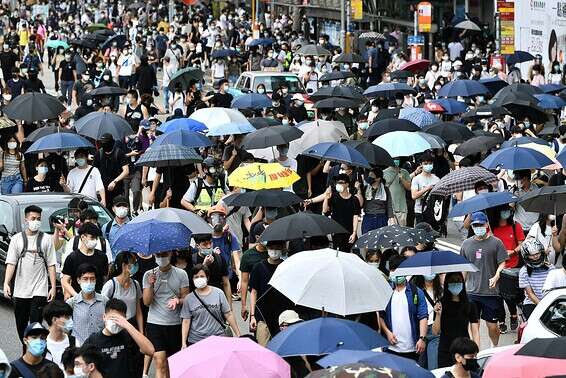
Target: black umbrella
<point>120,40</point>
<point>545,200</point>
<point>261,122</point>
<point>485,111</point>
<point>392,237</point>
<point>349,58</point>
<point>477,144</point>
<point>87,43</point>
<point>400,75</point>
<point>388,125</point>
<point>521,105</point>
<point>136,6</point>
<point>105,32</point>
<point>524,140</point>
<point>108,91</point>
<point>375,155</point>
<point>185,77</point>
<point>494,84</point>
<point>46,130</point>
<point>553,347</point>
<point>337,102</point>
<point>96,124</point>
<point>169,155</point>
<point>34,106</point>
<point>97,38</point>
<point>336,75</point>
<point>301,225</point>
<point>518,88</point>
<point>271,136</point>
<point>264,197</point>
<point>450,132</point>
<point>519,57</point>
<point>315,50</point>
<point>387,114</point>
<point>344,91</point>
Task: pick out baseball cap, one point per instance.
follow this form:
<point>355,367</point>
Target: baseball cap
<point>120,200</point>
<point>479,217</point>
<point>289,317</point>
<point>35,329</point>
<point>218,208</point>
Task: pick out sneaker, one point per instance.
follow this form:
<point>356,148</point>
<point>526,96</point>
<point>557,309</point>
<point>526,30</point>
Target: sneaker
<point>235,297</point>
<point>502,328</point>
<point>514,323</point>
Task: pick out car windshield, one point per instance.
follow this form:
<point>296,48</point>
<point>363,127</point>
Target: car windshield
<point>554,318</point>
<point>58,210</point>
<point>274,82</point>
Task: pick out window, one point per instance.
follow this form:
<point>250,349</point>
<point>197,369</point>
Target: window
<point>274,82</point>
<point>6,216</point>
<point>554,318</point>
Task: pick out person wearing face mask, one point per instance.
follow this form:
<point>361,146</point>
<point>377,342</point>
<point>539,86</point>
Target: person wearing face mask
<point>404,321</point>
<point>59,318</point>
<point>86,253</point>
<point>297,111</point>
<point>284,160</point>
<point>463,353</point>
<point>8,61</point>
<point>205,192</point>
<point>164,289</point>
<point>423,180</point>
<point>120,342</point>
<point>488,254</point>
<point>222,98</point>
<point>398,181</point>
<point>33,83</point>
<point>67,77</point>
<point>15,84</point>
<point>85,179</point>
<point>86,107</point>
<point>120,208</point>
<point>205,311</point>
<point>533,274</point>
<point>113,166</point>
<point>127,64</point>
<point>87,363</point>
<point>546,232</point>
<point>432,289</point>
<point>12,167</point>
<point>30,290</point>
<point>33,359</point>
<point>376,202</point>
<point>523,186</point>
<point>215,263</point>
<point>374,110</point>
<point>39,182</point>
<point>432,75</point>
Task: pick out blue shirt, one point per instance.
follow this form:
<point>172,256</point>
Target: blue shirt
<point>111,235</point>
<point>227,243</point>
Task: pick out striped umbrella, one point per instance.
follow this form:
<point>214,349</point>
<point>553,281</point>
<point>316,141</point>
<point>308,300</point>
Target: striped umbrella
<point>169,155</point>
<point>418,116</point>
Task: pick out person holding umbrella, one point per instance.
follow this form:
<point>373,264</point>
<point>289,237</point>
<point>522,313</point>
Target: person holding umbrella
<point>377,202</point>
<point>423,181</point>
<point>524,185</point>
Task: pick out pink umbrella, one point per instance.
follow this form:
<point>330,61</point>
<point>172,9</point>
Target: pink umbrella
<point>217,356</point>
<point>415,65</point>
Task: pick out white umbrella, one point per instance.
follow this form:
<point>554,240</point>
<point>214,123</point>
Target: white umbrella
<point>337,282</point>
<point>193,222</point>
<point>317,132</point>
<point>467,25</point>
<point>223,121</point>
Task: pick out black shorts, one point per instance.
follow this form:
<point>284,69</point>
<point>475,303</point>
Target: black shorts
<point>489,307</point>
<point>165,338</point>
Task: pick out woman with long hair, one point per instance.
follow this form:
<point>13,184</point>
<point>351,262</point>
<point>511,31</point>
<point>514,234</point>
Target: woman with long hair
<point>13,173</point>
<point>432,289</point>
<point>546,232</point>
<point>455,314</point>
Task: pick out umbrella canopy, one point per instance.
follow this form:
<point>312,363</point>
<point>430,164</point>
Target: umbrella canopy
<point>482,201</point>
<point>183,138</point>
<point>261,122</point>
<point>400,75</point>
<point>223,53</point>
<point>389,90</point>
<point>314,132</point>
<point>196,224</point>
<point>521,88</point>
<point>108,91</point>
<point>356,370</point>
<point>136,6</point>
<point>94,125</point>
<point>507,363</point>
<point>336,102</point>
<point>261,42</point>
<point>554,347</point>
<point>264,197</point>
<point>182,124</point>
<point>222,121</point>
<point>343,91</point>
<point>349,58</point>
<point>494,84</point>
<point>119,39</point>
<point>324,335</point>
<point>59,142</point>
<point>519,57</point>
<point>252,101</point>
<point>434,262</point>
<point>258,176</point>
<point>418,65</point>
<point>151,236</point>
<point>169,155</point>
<point>338,152</point>
<point>520,106</point>
<point>548,101</point>
<point>34,106</point>
<point>516,158</point>
<point>403,143</point>
<point>463,179</point>
<point>552,88</point>
<point>374,154</point>
<point>561,157</point>
<point>463,88</point>
<point>271,136</point>
<point>336,75</point>
<point>377,359</point>
<point>301,225</point>
<point>218,357</point>
<point>371,35</point>
<point>477,144</point>
<point>333,281</point>
<point>95,38</point>
<point>521,141</point>
<point>94,27</point>
<point>387,114</point>
<point>389,125</point>
<point>418,116</point>
<point>545,200</point>
<point>450,105</point>
<point>393,236</point>
<point>485,111</point>
<point>435,141</point>
<point>56,43</point>
<point>467,25</point>
<point>47,130</point>
<point>185,77</point>
<point>451,132</point>
<point>6,122</point>
<point>315,50</point>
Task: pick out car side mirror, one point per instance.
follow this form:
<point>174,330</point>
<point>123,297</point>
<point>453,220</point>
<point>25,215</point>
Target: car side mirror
<point>4,231</point>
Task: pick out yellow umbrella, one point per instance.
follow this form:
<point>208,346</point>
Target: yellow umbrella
<point>545,150</point>
<point>258,176</point>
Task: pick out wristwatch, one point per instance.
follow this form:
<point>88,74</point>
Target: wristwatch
<point>423,338</point>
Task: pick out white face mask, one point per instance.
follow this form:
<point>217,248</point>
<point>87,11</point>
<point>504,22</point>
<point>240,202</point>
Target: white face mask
<point>122,212</point>
<point>78,372</point>
<point>274,254</point>
<point>200,282</point>
<point>552,217</point>
<point>12,145</point>
<point>162,261</point>
<point>339,188</point>
<point>34,225</point>
<point>90,244</point>
<point>112,327</point>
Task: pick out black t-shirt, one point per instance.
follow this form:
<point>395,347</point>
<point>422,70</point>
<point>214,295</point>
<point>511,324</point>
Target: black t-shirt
<point>77,258</point>
<point>118,351</point>
<point>34,85</point>
<point>134,116</point>
<point>66,69</point>
<point>217,269</point>
<point>110,165</point>
<point>456,316</point>
<point>33,368</point>
<point>176,178</point>
<point>44,186</point>
<point>343,210</point>
<point>222,100</point>
<point>227,154</point>
<point>260,276</point>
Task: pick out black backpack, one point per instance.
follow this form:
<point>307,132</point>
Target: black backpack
<point>38,249</point>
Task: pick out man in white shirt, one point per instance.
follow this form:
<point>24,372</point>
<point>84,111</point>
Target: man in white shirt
<point>455,48</point>
<point>127,63</point>
<point>59,318</point>
<point>421,184</point>
<point>85,179</point>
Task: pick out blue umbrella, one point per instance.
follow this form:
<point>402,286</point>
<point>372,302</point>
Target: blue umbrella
<point>524,140</point>
<point>548,101</point>
<point>418,116</point>
<point>561,157</point>
<point>389,90</point>
<point>552,88</point>
<point>182,124</point>
<point>516,158</point>
<point>337,152</point>
<point>261,42</point>
<point>434,262</point>
<point>152,236</point>
<point>252,101</point>
<point>482,201</point>
<point>463,88</point>
<point>183,137</point>
<point>59,142</point>
<point>451,106</point>
<point>494,84</point>
<point>223,53</point>
<point>519,57</point>
<point>378,359</point>
<point>403,143</point>
<point>323,336</point>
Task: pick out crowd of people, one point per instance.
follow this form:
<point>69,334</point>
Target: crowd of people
<point>117,312</point>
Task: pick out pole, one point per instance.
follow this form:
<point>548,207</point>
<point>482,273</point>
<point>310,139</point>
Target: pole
<point>347,46</point>
<point>343,23</point>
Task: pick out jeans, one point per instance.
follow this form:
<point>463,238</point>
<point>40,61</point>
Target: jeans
<point>28,310</point>
<point>166,94</point>
<point>67,90</point>
<point>373,222</point>
<point>429,359</point>
<point>12,184</point>
<point>125,82</point>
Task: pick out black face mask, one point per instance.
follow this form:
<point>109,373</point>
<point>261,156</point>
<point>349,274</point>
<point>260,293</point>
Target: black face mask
<point>107,146</point>
<point>370,180</point>
<point>471,364</point>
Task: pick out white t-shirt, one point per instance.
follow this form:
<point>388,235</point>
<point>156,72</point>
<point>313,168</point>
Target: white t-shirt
<point>56,349</point>
<point>31,277</point>
<point>455,49</point>
<point>556,278</point>
<point>127,64</point>
<point>93,183</point>
<point>401,323</point>
<point>419,182</point>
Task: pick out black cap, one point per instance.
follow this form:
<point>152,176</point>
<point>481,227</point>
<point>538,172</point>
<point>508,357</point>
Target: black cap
<point>107,137</point>
<point>120,200</point>
<point>89,229</point>
<point>35,329</point>
<point>77,203</point>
